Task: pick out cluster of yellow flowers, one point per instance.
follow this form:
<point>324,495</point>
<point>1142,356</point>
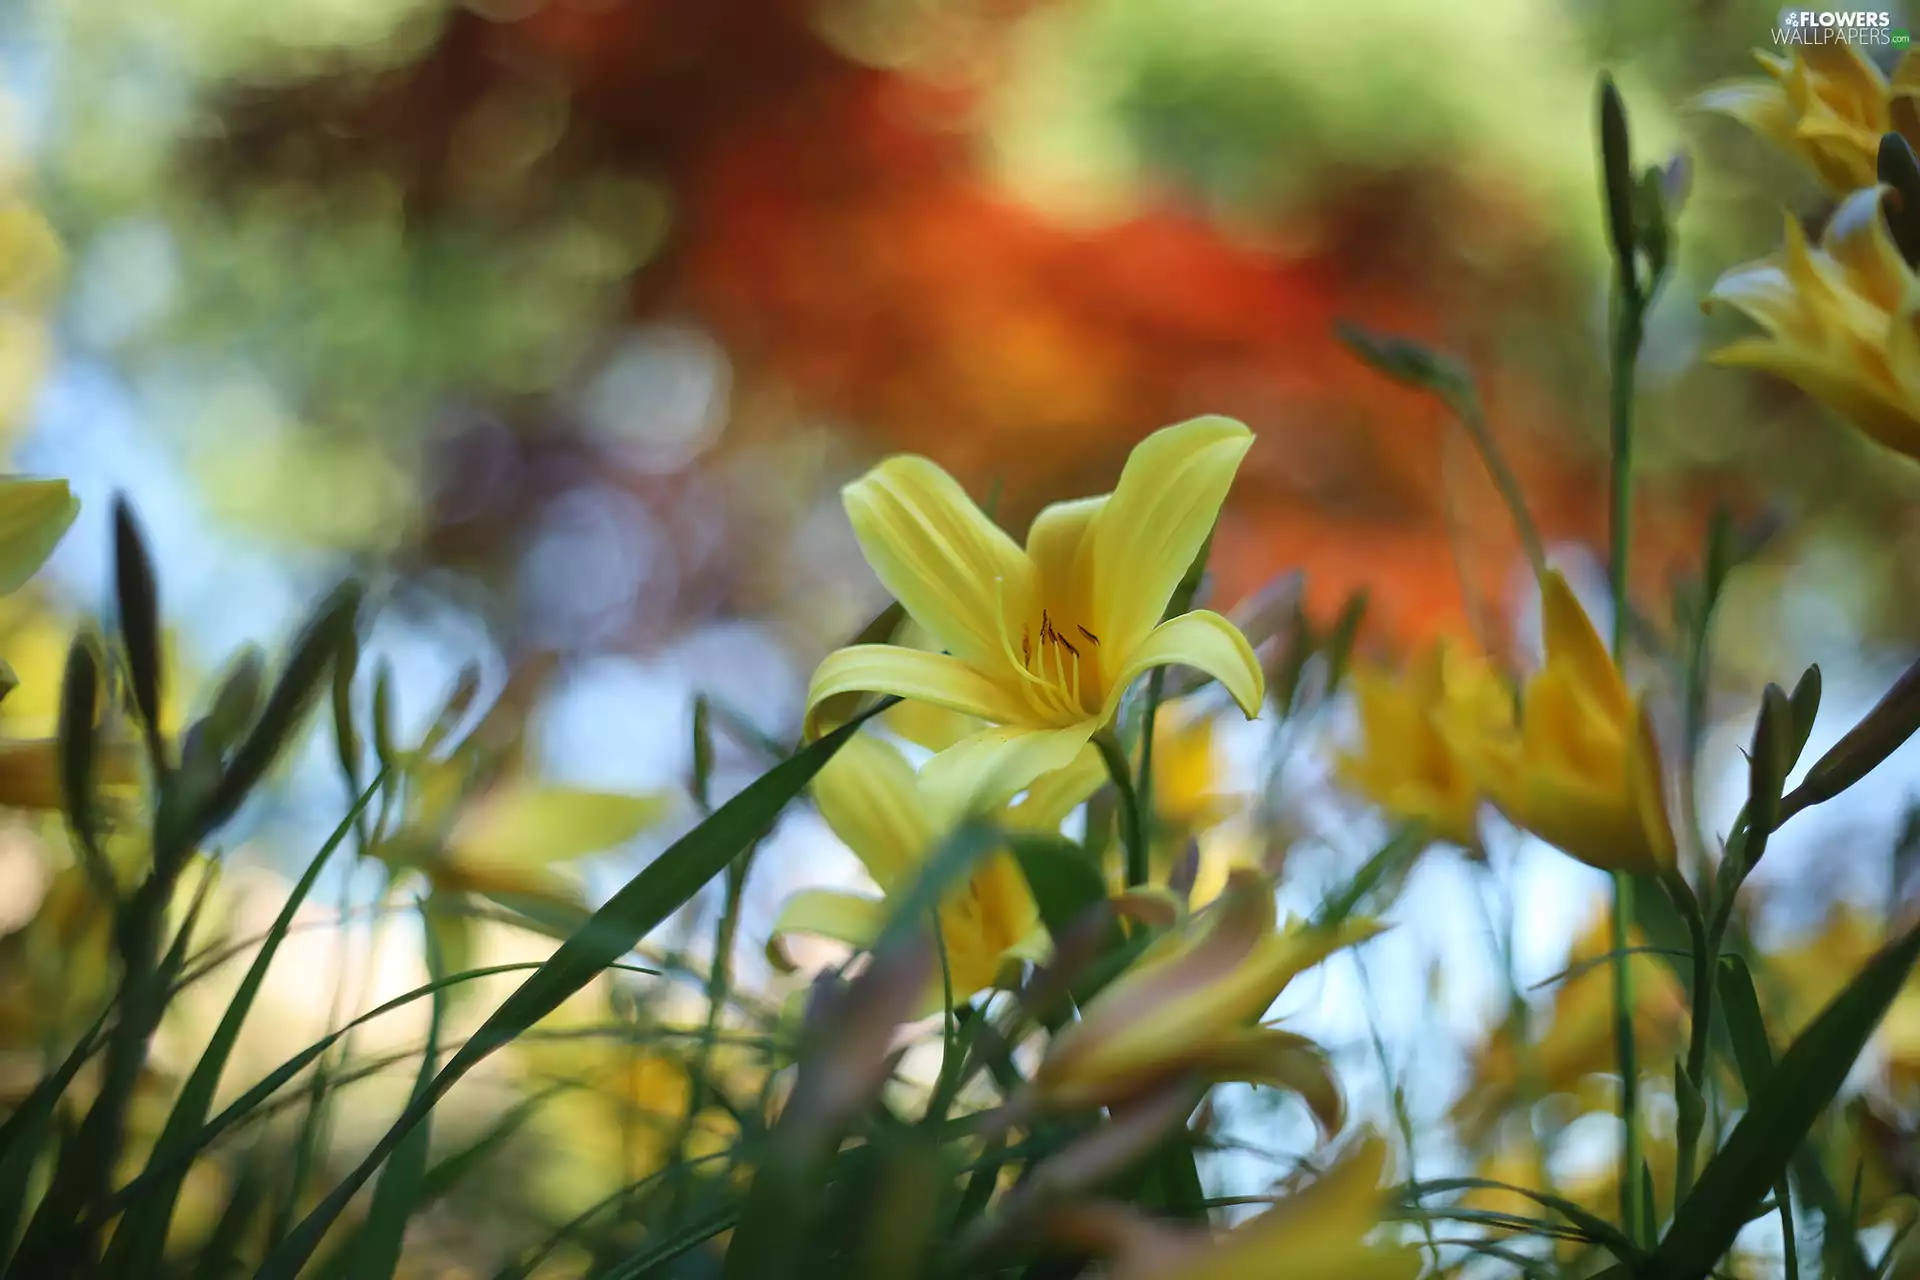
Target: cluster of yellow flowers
<point>1839,316</point>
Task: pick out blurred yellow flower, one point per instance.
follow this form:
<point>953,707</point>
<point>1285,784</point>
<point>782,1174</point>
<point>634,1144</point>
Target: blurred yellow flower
<point>1041,643</point>
<point>1406,764</point>
<point>1581,769</point>
<point>1520,1162</point>
<point>503,843</point>
<point>620,1094</point>
<point>872,799</point>
<point>1317,1233</point>
<point>34,516</point>
<point>1191,1005</point>
<point>1839,321</point>
<point>1825,105</point>
<point>1798,981</point>
<point>1576,1044</point>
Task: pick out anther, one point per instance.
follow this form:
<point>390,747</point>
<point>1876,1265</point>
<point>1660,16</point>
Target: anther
<point>1088,634</point>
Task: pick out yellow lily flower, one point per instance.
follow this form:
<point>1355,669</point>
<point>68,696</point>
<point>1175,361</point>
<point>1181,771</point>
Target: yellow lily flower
<point>503,844</point>
<point>1188,804</point>
<point>1406,763</point>
<point>1042,642</point>
<point>1839,321</point>
<point>881,810</point>
<point>1576,1045</point>
<point>1581,769</point>
<point>1191,1006</point>
<point>1319,1233</point>
<point>1825,105</point>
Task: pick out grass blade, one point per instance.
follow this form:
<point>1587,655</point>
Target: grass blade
<point>662,888</point>
<point>143,1228</point>
<point>377,1252</point>
<point>1779,1114</point>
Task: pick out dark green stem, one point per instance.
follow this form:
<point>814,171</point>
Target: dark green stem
<point>1132,831</point>
<point>1628,315</point>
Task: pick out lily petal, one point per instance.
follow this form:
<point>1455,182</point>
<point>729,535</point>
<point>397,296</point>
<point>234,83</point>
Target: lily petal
<point>1280,1060</point>
<point>1205,641</point>
<point>1315,1234</point>
<point>34,516</point>
<point>953,569</point>
<point>869,796</point>
<point>938,678</point>
<point>528,824</point>
<point>980,774</point>
<point>1645,779</point>
<point>825,913</point>
<point>1573,642</point>
<point>1060,545</point>
<point>1055,795</point>
<point>1161,511</point>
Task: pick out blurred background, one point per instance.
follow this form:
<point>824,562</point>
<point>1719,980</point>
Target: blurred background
<point>565,320</point>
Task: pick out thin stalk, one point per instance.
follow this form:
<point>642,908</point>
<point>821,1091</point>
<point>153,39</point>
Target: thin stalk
<point>1628,309</point>
<point>1466,407</point>
<point>719,983</point>
<point>1131,826</point>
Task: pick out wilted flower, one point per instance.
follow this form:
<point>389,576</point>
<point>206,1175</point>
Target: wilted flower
<point>1581,769</point>
<point>1825,105</point>
<point>1839,321</point>
<point>1319,1233</point>
<point>1406,764</point>
<point>1191,1007</point>
<point>873,800</point>
<point>1041,643</point>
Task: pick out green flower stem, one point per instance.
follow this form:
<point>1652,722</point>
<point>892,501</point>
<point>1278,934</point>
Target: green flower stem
<point>1132,829</point>
<point>1465,405</point>
<point>1629,314</point>
<point>1626,1057</point>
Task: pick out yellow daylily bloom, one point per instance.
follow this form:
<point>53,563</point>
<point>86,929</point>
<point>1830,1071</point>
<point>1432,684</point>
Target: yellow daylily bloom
<point>879,808</point>
<point>1825,105</point>
<point>1187,796</point>
<point>1840,321</point>
<point>1576,1044</point>
<point>1581,769</point>
<point>1191,1006</point>
<point>1406,763</point>
<point>1318,1233</point>
<point>503,844</point>
<point>1041,642</point>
